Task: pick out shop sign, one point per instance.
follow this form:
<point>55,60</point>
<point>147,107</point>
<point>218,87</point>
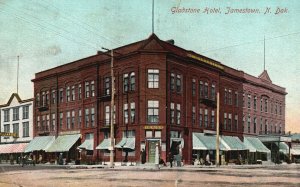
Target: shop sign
<point>207,61</point>
<point>8,134</point>
<point>156,127</point>
<point>69,132</point>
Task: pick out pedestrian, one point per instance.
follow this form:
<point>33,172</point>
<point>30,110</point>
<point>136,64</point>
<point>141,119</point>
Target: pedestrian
<point>143,153</point>
<point>40,158</point>
<point>60,159</point>
<point>207,160</point>
<point>171,159</point>
<point>11,158</point>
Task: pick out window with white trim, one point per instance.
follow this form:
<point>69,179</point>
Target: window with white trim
<point>153,78</point>
<point>153,111</point>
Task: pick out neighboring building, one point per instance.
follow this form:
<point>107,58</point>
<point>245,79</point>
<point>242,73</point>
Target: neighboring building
<point>164,94</point>
<point>264,105</point>
<point>16,124</point>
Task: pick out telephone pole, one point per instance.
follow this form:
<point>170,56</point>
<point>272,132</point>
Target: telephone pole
<point>218,132</point>
<point>18,75</point>
<point>112,107</point>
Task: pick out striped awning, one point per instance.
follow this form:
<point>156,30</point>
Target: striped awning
<point>233,143</point>
<point>63,143</point>
<point>255,145</point>
<point>105,144</point>
<point>127,143</point>
<point>87,144</point>
<point>202,142</point>
<point>39,143</point>
<point>12,148</point>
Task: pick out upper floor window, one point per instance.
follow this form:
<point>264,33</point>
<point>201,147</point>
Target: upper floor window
<point>87,89</point>
<point>26,112</point>
<point>153,111</point>
<point>206,90</point>
<point>280,109</point>
<point>79,91</point>
<point>132,112</point>
<point>229,121</point>
<point>68,94</point>
<point>16,129</point>
<point>129,82</point>
<point>125,82</point>
<point>266,105</point>
<point>172,82</point>
<point>107,83</point>
<point>37,100</point>
<point>201,89</point>
<point>229,97</point>
<point>236,99</point>
<point>87,117</point>
<point>225,121</point>
<point>200,117</point>
<point>254,124</point>
<point>172,113</point>
<point>6,128</point>
<point>25,129</point>
<point>193,115</point>
<point>178,114</point>
<point>6,115</point>
<point>132,81</point>
<point>107,115</point>
<point>212,119</point>
<point>178,83</point>
<point>73,93</point>
<point>261,104</point>
<point>225,96</point>
<point>61,95</point>
<point>213,92</point>
<point>193,87</point>
<point>249,101</point>
<point>15,113</point>
<point>53,97</point>
<point>153,78</point>
<point>254,102</point>
<point>93,88</point>
<point>206,118</point>
<point>249,123</point>
<point>235,122</point>
<point>92,117</point>
<point>126,113</point>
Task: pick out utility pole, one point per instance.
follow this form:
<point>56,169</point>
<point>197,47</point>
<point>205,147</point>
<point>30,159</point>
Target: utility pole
<point>218,132</point>
<point>112,129</point>
<point>18,76</point>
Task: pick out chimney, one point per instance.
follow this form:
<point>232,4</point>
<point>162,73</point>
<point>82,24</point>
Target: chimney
<point>171,41</point>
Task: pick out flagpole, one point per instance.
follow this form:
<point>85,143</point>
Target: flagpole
<point>18,76</point>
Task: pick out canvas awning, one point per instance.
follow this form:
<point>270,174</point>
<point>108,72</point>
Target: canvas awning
<point>63,143</point>
<point>105,144</point>
<point>295,151</point>
<point>233,143</point>
<point>12,148</point>
<point>255,145</point>
<point>39,143</point>
<point>283,147</point>
<point>202,142</point>
<point>87,144</point>
<point>128,143</point>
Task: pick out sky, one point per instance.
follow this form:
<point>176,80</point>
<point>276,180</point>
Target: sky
<point>48,33</point>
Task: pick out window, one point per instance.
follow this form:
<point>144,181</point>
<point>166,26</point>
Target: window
<point>172,111</point>
<point>43,99</point>
<point>249,123</point>
<point>15,113</point>
<point>79,91</point>
<point>79,118</point>
<point>206,90</point>
<point>254,103</point>
<point>266,105</point>
<point>68,94</point>
<point>53,97</point>
<point>276,108</point>
<point>229,97</point>
<point>254,124</point>
<point>174,134</point>
<point>6,128</point>
<point>47,122</point>
<point>213,92</point>
<point>16,129</point>
<point>73,119</point>
<point>261,104</point>
<point>132,113</point>
<point>61,95</point>
<point>148,134</point>
<point>44,122</point>
<point>193,87</point>
<point>229,121</point>
<point>266,126</point>
<point>106,135</point>
<point>25,129</point>
<point>235,122</point>
<point>178,114</point>
<point>243,100</point>
<point>92,117</point>
<point>157,134</point>
<point>212,119</point>
<point>87,89</point>
<point>47,99</point>
<point>193,115</point>
<point>201,89</point>
<point>236,99</point>
<point>87,117</point>
<point>153,78</point>
<point>38,125</point>
<point>125,82</point>
<point>261,125</point>
<point>249,101</point>
<point>225,121</point>
<point>73,93</point>
<point>225,96</point>
<point>132,81</point>
<point>126,113</point>
<point>280,110</point>
<point>61,118</point>
<point>172,82</point>
<point>107,115</point>
<point>178,83</point>
<point>200,117</point>
<point>6,115</point>
<point>107,86</point>
<point>206,118</point>
<point>37,100</point>
<point>153,109</point>
<point>93,88</point>
<point>53,122</point>
<point>68,120</point>
<point>129,134</point>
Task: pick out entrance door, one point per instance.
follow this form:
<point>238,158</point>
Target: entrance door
<point>151,151</point>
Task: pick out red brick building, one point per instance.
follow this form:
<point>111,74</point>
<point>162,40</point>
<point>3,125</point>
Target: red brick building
<point>163,94</point>
<point>264,105</point>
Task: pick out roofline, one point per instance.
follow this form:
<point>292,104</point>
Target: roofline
<point>18,98</point>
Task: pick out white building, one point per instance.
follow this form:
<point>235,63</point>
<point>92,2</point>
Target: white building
<point>16,121</point>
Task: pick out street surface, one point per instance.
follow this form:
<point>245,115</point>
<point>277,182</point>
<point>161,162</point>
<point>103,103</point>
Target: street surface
<point>80,176</point>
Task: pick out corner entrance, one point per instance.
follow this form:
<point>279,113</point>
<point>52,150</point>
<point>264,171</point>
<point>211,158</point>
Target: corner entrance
<point>151,150</point>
